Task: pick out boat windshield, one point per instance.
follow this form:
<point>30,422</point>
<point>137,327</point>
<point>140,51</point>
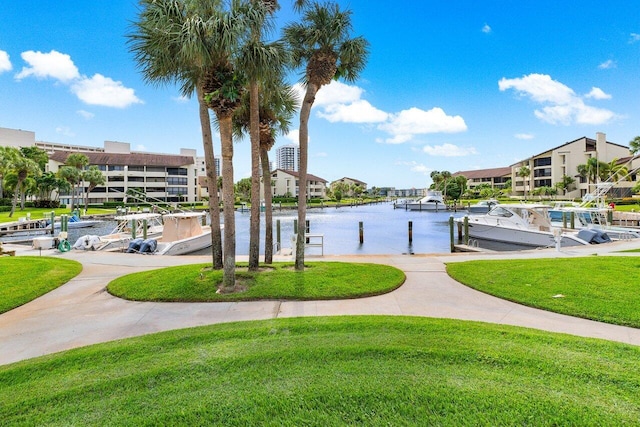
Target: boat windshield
<point>500,211</point>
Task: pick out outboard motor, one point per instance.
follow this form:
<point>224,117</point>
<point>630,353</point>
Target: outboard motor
<point>134,245</point>
<point>149,246</point>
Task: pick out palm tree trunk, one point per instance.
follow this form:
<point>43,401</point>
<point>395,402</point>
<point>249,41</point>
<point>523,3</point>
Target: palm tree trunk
<point>226,139</point>
<point>212,181</point>
<point>305,113</point>
<point>254,135</point>
<point>268,208</point>
<point>15,199</point>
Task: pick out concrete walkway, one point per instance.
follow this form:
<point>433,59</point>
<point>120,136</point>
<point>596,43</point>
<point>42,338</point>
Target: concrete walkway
<point>81,312</point>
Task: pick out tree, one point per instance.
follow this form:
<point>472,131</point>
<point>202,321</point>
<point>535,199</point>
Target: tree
<point>446,175</point>
<point>634,145</point>
<point>617,171</point>
<point>258,61</point>
<point>72,176</point>
<point>94,177</point>
<point>565,183</point>
<point>7,156</point>
<point>36,154</point>
<point>175,42</point>
<point>243,189</point>
<point>278,104</point>
<point>323,42</point>
<point>78,161</point>
<point>22,167</point>
<point>524,172</point>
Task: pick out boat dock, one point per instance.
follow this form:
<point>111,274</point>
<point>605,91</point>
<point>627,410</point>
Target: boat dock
<point>25,226</point>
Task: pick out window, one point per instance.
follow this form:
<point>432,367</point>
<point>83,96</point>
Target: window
<point>177,171</point>
<point>176,181</point>
<point>155,169</point>
<point>136,168</point>
<point>116,167</point>
<point>542,161</point>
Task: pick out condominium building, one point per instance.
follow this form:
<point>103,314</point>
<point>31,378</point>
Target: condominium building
<point>286,183</point>
<point>496,178</point>
<point>288,157</point>
<point>161,177</point>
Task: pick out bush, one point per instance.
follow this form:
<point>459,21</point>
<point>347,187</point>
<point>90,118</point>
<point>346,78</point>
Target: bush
<point>48,204</point>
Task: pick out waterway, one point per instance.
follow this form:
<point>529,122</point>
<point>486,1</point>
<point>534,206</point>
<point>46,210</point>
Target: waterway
<point>385,230</point>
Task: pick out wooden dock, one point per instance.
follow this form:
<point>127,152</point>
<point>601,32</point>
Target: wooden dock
<point>25,226</point>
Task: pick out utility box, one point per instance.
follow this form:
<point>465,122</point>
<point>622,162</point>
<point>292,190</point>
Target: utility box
<point>43,242</point>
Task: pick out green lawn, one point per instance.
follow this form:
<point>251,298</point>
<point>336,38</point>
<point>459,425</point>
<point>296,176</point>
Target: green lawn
<point>25,278</point>
<point>606,289</point>
<point>321,280</point>
<point>40,213</point>
<point>373,371</point>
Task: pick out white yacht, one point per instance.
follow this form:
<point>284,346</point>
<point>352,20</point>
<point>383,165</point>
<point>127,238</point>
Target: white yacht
<point>432,201</point>
<point>526,225</point>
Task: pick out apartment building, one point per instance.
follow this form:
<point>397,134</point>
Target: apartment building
<point>162,177</point>
<point>496,178</point>
<point>286,183</point>
<point>548,168</point>
<point>351,182</point>
<point>288,157</point>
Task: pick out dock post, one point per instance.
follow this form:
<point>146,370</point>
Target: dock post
<point>459,231</point>
<point>361,231</point>
<point>144,229</point>
<point>466,230</point>
<point>53,221</point>
<point>564,219</point>
<point>410,232</point>
<point>133,229</point>
<point>278,239</point>
<point>453,246</point>
<point>295,226</point>
<point>573,221</point>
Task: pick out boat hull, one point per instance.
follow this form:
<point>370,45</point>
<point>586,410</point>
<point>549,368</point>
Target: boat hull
<point>521,237</point>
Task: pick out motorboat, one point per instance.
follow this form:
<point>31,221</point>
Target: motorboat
<point>526,225</point>
<point>74,222</point>
<point>183,233</point>
<point>128,228</point>
<point>432,201</point>
<point>594,218</point>
<point>483,206</point>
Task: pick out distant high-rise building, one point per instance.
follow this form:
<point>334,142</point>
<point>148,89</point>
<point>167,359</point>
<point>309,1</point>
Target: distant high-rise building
<point>288,157</point>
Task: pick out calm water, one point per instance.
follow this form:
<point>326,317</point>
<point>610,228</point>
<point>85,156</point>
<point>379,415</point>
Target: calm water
<point>385,230</point>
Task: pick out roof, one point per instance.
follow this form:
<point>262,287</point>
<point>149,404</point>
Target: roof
<point>310,177</point>
<point>485,173</point>
<point>130,159</point>
<point>357,181</point>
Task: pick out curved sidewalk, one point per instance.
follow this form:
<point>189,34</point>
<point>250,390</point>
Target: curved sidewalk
<point>81,312</point>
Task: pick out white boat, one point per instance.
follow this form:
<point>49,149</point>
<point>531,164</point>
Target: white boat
<point>183,233</point>
<point>432,201</point>
<point>590,218</point>
<point>526,225</point>
<point>483,206</point>
<point>129,227</point>
<point>75,222</point>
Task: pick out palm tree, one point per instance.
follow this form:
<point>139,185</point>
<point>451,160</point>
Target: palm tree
<point>322,42</point>
<point>94,177</point>
<point>278,104</point>
<point>78,161</point>
<point>617,171</point>
<point>72,176</point>
<point>258,60</point>
<point>565,183</point>
<point>22,167</point>
<point>634,145</point>
<point>174,42</point>
<point>445,176</point>
<point>436,177</point>
<point>524,172</point>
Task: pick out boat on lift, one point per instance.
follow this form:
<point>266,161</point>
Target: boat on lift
<point>432,201</point>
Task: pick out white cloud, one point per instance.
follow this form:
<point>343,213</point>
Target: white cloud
<point>180,99</point>
<point>523,136</point>
<point>294,136</point>
<point>486,29</point>
<point>416,167</point>
<point>65,130</point>
<point>5,63</point>
<point>321,154</point>
<point>597,93</point>
<point>609,63</point>
<point>563,106</point>
<point>337,93</point>
<point>54,64</point>
<point>360,111</point>
<point>101,90</point>
<point>448,150</point>
<point>414,121</point>
<point>140,147</point>
<point>86,114</point>
<point>634,37</point>
<point>97,90</point>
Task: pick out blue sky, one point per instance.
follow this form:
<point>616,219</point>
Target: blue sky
<point>449,85</point>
